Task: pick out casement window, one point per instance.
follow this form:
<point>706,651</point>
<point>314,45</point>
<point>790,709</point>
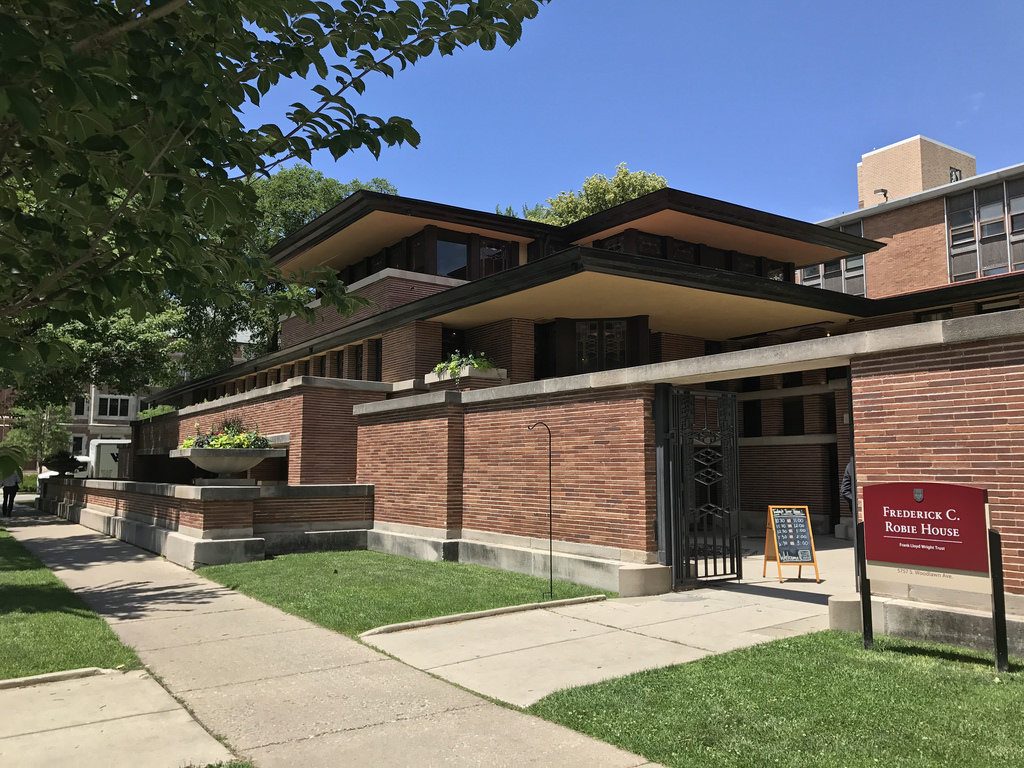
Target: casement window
<point>78,408</point>
<point>77,445</point>
<point>566,346</point>
<point>114,406</point>
<point>985,231</point>
<point>845,275</point>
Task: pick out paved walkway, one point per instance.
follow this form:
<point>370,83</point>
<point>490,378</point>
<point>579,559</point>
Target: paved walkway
<point>522,657</point>
<point>279,690</point>
<point>283,692</point>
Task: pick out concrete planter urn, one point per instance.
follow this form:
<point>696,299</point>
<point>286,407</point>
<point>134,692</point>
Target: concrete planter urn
<point>227,461</point>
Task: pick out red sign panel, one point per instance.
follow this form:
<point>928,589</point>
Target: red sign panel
<point>933,525</point>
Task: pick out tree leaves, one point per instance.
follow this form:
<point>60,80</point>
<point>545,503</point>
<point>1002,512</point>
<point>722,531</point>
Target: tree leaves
<point>123,157</point>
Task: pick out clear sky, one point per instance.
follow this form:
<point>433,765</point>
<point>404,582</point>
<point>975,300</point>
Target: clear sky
<point>765,103</point>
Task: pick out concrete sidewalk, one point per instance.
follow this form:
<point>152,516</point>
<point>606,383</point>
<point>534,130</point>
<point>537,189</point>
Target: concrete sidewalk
<point>522,657</point>
<point>279,690</point>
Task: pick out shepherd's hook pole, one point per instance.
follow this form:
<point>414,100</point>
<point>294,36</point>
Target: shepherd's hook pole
<point>551,525</point>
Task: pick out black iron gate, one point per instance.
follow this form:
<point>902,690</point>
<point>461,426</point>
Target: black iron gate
<point>698,484</point>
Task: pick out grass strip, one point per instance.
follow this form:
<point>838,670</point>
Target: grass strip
<point>816,700</point>
<point>44,626</point>
<point>351,592</point>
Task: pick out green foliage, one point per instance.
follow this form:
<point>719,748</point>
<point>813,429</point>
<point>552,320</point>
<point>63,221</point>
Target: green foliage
<point>39,432</point>
<point>231,433</point>
<point>452,367</point>
<point>813,700</point>
<point>116,350</point>
<point>351,592</point>
<point>209,328</point>
<point>295,196</point>
<point>156,410</point>
<point>29,482</point>
<point>599,193</point>
<point>124,161</point>
<point>47,627</point>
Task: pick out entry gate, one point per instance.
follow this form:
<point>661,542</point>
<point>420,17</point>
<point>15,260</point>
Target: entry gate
<point>698,484</point>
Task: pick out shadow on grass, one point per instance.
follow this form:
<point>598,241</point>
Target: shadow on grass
<point>967,656</point>
<point>41,598</point>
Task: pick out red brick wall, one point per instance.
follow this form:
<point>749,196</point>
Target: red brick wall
<point>211,515</point>
<point>914,257</point>
<point>384,294</point>
<point>414,462</point>
<point>603,468</point>
<point>672,346</point>
<point>497,482</point>
<point>952,414</point>
<point>786,475</point>
<point>319,419</point>
<point>508,344</point>
<point>304,510</point>
<point>410,351</point>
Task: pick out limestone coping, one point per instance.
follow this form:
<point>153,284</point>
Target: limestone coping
<point>222,492</point>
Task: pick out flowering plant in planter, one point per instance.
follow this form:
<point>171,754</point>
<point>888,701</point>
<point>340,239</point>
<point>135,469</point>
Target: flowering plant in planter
<point>231,433</point>
<point>452,367</point>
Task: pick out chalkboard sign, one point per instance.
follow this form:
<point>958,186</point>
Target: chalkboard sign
<point>788,539</point>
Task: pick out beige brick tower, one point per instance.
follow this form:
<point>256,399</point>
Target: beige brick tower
<point>907,167</point>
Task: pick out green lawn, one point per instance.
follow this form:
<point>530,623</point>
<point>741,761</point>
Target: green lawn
<point>44,626</point>
<point>815,700</point>
<point>351,592</point>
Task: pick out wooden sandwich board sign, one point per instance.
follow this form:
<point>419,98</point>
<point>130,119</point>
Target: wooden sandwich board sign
<point>788,540</point>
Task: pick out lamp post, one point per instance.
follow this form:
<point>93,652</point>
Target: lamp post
<point>551,525</point>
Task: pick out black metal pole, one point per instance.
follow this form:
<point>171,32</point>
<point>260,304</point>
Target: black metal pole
<point>865,592</point>
<point>995,564</point>
<point>551,523</point>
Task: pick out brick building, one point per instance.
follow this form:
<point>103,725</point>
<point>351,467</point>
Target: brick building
<point>687,379</point>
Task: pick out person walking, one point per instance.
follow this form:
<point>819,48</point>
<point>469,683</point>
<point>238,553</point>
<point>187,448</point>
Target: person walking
<point>10,484</point>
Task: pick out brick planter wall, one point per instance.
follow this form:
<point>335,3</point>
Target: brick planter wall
<point>318,418</point>
<point>953,414</point>
<point>478,468</point>
<point>603,490</point>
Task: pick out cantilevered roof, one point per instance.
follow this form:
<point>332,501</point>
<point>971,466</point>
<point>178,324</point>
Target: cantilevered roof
<point>587,283</point>
<point>698,219</point>
<point>367,222</point>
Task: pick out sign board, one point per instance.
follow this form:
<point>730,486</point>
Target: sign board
<point>788,539</point>
<point>933,534</point>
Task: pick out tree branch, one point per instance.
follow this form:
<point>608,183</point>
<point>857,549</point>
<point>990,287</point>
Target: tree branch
<point>164,10</point>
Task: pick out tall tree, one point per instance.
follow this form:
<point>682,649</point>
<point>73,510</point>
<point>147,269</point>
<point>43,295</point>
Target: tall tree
<point>286,201</point>
<point>295,196</point>
<point>598,193</point>
<point>124,159</point>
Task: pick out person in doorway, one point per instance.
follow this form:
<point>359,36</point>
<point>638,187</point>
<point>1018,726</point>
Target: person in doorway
<point>846,489</point>
<point>10,484</point>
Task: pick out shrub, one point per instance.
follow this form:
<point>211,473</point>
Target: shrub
<point>231,433</point>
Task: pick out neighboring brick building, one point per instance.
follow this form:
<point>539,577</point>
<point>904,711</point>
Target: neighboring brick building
<point>936,230</point>
<point>686,378</point>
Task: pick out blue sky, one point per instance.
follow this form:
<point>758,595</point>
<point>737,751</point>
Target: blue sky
<point>767,103</point>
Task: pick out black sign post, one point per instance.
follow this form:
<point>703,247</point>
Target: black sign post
<point>788,540</point>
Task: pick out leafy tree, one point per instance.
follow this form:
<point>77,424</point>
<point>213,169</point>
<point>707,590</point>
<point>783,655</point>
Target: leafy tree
<point>599,193</point>
<point>286,201</point>
<point>39,432</point>
<point>116,351</point>
<point>295,196</point>
<point>124,159</point>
